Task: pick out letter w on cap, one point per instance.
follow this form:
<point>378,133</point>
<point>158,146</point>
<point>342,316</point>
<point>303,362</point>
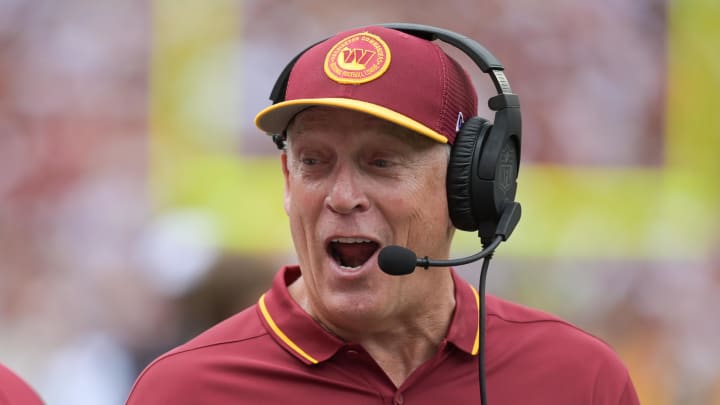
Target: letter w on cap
<point>355,59</point>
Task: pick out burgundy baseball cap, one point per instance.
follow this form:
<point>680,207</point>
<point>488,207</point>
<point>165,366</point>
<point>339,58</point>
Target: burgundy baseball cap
<point>384,72</point>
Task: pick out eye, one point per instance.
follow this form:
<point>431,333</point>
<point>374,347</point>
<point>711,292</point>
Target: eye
<point>309,161</point>
<point>380,163</point>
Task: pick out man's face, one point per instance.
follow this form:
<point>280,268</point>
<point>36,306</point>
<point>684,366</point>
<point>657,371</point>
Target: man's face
<point>354,184</point>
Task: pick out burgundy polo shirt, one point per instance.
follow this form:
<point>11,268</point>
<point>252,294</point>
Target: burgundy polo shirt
<point>275,353</point>
<point>15,391</point>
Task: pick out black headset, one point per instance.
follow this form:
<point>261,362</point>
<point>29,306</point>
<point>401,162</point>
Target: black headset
<point>485,157</point>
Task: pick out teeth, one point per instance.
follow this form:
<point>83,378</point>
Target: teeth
<point>351,240</point>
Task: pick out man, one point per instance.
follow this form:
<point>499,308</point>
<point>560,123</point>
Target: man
<point>15,391</point>
<point>367,117</point>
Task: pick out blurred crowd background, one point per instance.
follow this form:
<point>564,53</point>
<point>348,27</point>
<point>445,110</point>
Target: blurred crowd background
<point>139,205</point>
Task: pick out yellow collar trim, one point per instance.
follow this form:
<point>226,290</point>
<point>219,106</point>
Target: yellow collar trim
<point>280,333</point>
<point>476,344</point>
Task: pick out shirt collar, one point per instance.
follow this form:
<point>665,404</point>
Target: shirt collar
<point>464,331</point>
<point>302,336</point>
<point>291,326</point>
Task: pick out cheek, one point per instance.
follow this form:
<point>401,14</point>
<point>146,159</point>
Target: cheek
<point>297,205</point>
<point>424,205</point>
<point>299,230</point>
<point>303,206</point>
<point>431,212</point>
<point>296,193</point>
<point>432,207</point>
<point>431,191</point>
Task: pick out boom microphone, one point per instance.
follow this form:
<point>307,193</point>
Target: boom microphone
<point>399,261</point>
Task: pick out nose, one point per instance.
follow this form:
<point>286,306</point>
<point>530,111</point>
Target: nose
<point>347,194</point>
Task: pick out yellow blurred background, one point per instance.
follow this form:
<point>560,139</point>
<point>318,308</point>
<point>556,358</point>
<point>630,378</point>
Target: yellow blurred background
<point>139,205</point>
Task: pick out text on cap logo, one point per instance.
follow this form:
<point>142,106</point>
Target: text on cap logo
<point>356,59</point>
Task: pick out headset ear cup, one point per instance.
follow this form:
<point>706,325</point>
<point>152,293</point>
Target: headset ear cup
<point>463,157</point>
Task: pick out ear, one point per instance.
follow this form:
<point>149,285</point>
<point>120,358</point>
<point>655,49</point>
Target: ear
<point>286,175</point>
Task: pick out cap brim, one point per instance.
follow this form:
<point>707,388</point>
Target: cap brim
<point>275,118</point>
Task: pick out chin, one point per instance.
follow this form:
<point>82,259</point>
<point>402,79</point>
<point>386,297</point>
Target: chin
<point>354,309</point>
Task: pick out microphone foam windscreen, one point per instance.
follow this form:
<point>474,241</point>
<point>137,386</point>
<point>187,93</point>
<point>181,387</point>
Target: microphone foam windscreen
<point>397,260</point>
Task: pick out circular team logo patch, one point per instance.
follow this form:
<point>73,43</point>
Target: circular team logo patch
<point>356,59</point>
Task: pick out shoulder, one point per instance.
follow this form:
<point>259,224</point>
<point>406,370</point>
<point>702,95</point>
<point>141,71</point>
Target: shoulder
<point>533,345</point>
<point>14,390</point>
<point>515,321</point>
<point>182,374</point>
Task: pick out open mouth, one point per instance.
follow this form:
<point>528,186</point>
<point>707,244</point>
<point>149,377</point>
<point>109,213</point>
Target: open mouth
<point>351,253</point>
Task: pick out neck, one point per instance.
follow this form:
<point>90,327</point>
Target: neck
<point>399,344</point>
<point>403,349</point>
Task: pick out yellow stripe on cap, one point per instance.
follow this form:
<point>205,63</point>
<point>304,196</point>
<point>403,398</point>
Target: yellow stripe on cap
<point>275,118</point>
<point>280,333</point>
